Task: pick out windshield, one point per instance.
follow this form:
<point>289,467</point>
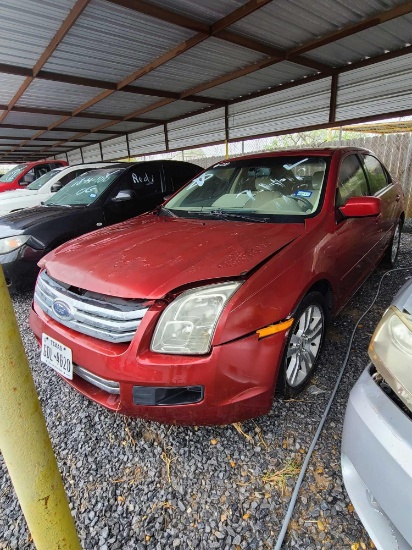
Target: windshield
<point>13,173</point>
<point>260,189</point>
<point>85,189</point>
<point>43,179</point>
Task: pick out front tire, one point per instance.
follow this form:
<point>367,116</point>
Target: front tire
<point>303,345</point>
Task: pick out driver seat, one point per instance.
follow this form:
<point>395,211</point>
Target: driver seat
<point>265,192</point>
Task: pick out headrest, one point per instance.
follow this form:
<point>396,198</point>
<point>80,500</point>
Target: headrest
<point>263,184</point>
<point>317,179</point>
<point>259,171</point>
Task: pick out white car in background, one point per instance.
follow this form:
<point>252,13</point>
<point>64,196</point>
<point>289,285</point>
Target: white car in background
<point>377,432</point>
<point>44,187</point>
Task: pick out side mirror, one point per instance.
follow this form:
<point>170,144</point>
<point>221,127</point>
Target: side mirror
<point>361,207</point>
<point>125,195</point>
<point>28,178</point>
<point>56,187</point>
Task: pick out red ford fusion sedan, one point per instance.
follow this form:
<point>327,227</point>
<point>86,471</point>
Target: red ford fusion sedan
<point>195,312</point>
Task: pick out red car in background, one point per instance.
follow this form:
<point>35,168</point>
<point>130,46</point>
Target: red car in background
<point>196,312</point>
<point>26,173</point>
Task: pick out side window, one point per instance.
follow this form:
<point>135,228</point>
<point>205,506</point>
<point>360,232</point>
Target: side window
<point>40,170</point>
<point>180,173</point>
<point>351,180</point>
<point>376,174</point>
<point>64,180</point>
<point>146,180</point>
<point>68,177</point>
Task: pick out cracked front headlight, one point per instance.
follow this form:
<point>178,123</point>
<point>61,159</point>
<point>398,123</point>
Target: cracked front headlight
<point>187,325</point>
<point>391,352</point>
<point>11,243</point>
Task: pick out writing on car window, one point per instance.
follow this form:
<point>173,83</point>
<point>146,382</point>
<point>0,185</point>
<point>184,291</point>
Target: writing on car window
<point>145,178</point>
<point>86,188</point>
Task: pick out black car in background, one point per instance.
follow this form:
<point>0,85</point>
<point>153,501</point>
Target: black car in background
<point>95,199</point>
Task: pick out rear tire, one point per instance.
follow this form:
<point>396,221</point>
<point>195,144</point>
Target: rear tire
<point>303,345</point>
<point>392,252</point>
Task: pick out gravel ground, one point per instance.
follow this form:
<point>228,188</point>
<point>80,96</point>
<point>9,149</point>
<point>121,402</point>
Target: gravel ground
<point>140,485</point>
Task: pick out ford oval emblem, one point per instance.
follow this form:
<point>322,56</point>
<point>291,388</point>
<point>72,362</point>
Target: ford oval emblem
<point>62,310</point>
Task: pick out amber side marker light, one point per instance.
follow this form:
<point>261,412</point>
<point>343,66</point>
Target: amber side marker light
<point>274,329</point>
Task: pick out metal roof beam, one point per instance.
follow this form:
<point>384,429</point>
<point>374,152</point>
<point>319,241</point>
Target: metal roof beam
<point>57,112</point>
<point>94,83</point>
<point>60,129</point>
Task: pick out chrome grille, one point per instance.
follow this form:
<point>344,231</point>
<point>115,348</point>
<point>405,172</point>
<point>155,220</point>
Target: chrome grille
<point>107,385</point>
<point>104,317</point>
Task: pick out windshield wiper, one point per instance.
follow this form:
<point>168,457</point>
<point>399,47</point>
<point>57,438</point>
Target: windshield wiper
<point>227,215</point>
<point>166,211</point>
<point>54,204</point>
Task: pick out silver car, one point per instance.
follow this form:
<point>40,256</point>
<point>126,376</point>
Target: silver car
<point>377,432</point>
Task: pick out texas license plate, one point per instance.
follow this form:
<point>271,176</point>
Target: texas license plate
<point>57,356</point>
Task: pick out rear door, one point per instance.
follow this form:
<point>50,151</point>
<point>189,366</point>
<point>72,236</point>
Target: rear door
<point>381,186</point>
<point>354,237</point>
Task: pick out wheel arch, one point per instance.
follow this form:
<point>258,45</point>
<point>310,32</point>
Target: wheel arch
<point>325,288</point>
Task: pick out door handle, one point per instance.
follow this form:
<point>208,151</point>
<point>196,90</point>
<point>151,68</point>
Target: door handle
<point>398,198</point>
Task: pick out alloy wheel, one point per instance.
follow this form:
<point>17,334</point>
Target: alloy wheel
<point>304,345</point>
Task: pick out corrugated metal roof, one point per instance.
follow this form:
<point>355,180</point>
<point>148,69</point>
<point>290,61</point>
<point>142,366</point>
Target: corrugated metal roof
<point>27,27</point>
<point>9,84</point>
<point>95,136</point>
<point>375,89</point>
<point>288,24</point>
<point>371,42</point>
<point>77,51</point>
<point>115,148</point>
<point>207,12</point>
<point>204,62</point>
<point>58,135</point>
<point>56,95</point>
<point>95,48</point>
<point>294,108</point>
<point>30,119</point>
<point>75,157</point>
<point>199,129</point>
<point>121,104</point>
<point>81,122</point>
<point>173,110</point>
<point>129,126</point>
<point>265,79</point>
<point>92,153</point>
<point>17,132</point>
<point>147,141</point>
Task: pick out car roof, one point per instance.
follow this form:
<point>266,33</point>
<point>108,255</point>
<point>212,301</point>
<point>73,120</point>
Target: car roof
<point>310,151</point>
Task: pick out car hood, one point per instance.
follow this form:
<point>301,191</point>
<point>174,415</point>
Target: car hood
<point>25,221</point>
<point>17,194</point>
<point>149,256</point>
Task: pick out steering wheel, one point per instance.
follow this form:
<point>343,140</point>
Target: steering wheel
<point>308,204</point>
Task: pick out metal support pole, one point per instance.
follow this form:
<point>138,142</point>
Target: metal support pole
<point>25,443</point>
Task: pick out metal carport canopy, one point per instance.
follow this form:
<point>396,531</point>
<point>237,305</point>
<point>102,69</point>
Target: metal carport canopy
<point>106,79</point>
